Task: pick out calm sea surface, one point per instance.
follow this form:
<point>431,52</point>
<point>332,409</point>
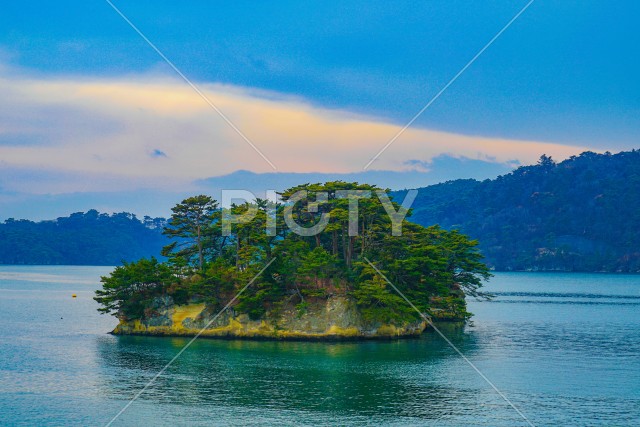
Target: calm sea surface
<point>563,348</point>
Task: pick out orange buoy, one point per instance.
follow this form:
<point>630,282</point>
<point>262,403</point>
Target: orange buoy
<point>73,295</point>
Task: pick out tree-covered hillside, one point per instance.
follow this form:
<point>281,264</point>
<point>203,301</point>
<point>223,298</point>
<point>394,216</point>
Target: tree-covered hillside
<point>81,239</point>
<point>582,214</point>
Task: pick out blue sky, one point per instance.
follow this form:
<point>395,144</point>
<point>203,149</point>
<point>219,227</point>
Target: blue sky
<point>564,74</point>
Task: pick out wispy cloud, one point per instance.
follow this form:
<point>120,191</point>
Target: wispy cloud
<point>114,131</point>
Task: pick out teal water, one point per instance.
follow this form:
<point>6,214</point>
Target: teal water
<point>563,348</point>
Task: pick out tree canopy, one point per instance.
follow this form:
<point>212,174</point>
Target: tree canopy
<point>90,238</point>
<point>318,246</point>
<point>581,214</point>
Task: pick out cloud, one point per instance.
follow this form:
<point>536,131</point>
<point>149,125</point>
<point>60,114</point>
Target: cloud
<point>112,131</point>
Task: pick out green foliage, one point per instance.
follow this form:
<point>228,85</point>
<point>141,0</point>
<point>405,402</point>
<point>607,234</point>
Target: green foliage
<point>131,287</point>
<point>302,308</point>
<point>582,214</point>
<point>89,238</point>
<point>188,226</point>
<point>205,265</point>
<point>379,303</point>
<point>318,265</point>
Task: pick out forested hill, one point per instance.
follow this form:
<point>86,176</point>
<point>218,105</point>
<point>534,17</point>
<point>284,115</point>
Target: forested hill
<point>582,214</point>
<point>81,239</point>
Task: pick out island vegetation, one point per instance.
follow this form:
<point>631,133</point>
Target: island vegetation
<point>207,266</point>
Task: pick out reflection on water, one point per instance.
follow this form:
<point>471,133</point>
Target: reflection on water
<point>399,378</point>
<point>561,359</point>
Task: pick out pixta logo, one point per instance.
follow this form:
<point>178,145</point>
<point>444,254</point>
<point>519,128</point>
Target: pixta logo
<point>310,204</point>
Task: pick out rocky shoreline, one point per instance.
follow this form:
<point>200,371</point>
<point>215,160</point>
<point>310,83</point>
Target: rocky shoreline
<point>334,318</point>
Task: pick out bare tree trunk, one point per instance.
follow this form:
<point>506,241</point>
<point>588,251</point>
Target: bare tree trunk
<point>344,246</point>
<point>200,255</point>
<point>299,293</point>
<point>238,249</point>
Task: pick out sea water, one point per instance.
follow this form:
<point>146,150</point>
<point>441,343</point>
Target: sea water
<point>564,349</point>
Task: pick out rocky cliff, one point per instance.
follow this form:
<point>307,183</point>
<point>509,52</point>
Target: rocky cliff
<point>328,319</point>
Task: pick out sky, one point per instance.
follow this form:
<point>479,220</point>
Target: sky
<point>91,116</point>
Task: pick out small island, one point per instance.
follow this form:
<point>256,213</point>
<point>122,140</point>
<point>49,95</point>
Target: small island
<point>296,269</point>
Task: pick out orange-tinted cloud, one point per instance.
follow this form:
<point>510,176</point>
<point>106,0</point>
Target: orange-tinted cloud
<point>116,127</point>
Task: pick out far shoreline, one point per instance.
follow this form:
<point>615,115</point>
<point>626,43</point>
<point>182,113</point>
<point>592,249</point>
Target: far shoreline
<point>619,273</point>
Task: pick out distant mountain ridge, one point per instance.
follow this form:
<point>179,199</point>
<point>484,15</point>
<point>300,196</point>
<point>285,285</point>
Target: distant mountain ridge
<point>87,238</point>
<point>582,214</point>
